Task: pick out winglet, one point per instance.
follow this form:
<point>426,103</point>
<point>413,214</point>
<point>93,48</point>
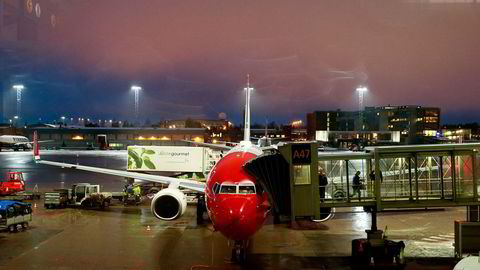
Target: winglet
<point>36,146</point>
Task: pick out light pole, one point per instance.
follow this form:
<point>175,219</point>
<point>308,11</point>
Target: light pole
<point>19,88</point>
<point>361,91</point>
<point>63,120</point>
<point>136,90</point>
<point>247,89</point>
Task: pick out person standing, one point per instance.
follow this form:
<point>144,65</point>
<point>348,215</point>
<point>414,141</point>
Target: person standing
<point>357,184</point>
<point>322,183</point>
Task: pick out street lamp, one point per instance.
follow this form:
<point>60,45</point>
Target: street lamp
<point>361,91</point>
<point>15,119</point>
<point>63,119</point>
<point>136,89</point>
<point>19,88</point>
<point>247,90</point>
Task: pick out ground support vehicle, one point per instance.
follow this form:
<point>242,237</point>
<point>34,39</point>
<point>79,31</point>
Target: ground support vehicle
<point>12,184</point>
<point>56,199</point>
<point>14,214</point>
<point>132,195</point>
<point>378,252</point>
<point>81,194</point>
<point>376,249</point>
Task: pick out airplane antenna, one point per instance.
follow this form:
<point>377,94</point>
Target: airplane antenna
<point>246,134</point>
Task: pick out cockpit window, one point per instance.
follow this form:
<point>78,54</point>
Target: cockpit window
<point>228,189</point>
<point>216,188</point>
<point>246,189</point>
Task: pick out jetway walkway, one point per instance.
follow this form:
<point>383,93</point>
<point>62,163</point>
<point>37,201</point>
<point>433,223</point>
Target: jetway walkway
<point>409,176</point>
<point>414,176</point>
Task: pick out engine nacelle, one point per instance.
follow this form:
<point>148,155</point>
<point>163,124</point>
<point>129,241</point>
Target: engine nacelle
<point>169,204</point>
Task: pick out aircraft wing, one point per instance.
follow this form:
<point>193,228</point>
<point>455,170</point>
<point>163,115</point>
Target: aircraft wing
<point>171,181</point>
<point>211,145</point>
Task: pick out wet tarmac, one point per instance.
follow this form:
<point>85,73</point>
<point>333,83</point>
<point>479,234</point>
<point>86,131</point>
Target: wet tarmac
<point>47,177</point>
<point>131,238</point>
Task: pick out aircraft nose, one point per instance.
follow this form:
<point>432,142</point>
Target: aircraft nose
<point>239,218</point>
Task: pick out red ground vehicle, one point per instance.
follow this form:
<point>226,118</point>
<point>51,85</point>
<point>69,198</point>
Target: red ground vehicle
<point>13,183</point>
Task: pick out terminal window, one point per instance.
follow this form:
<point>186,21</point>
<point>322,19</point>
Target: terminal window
<point>301,174</point>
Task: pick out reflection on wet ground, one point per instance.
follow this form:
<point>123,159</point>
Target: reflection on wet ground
<point>49,177</point>
<point>131,238</point>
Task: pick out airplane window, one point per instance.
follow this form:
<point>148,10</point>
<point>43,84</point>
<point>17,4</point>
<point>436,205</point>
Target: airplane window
<point>228,189</point>
<point>246,189</point>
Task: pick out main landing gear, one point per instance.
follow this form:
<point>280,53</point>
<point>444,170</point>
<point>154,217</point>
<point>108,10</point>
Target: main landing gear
<point>239,251</point>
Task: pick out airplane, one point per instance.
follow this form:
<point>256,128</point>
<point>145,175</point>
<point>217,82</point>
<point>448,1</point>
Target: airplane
<point>16,142</point>
<point>235,202</point>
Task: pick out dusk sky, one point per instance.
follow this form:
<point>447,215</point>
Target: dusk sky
<point>191,58</point>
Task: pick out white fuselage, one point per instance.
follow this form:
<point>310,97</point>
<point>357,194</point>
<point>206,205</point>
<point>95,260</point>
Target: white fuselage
<point>14,142</point>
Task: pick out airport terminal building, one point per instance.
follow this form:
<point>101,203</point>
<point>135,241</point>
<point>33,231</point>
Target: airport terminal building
<point>118,138</point>
<point>395,124</point>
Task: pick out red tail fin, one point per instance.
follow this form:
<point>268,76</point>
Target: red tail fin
<point>36,146</point>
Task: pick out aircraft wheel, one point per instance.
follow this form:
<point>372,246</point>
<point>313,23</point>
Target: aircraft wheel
<point>239,255</point>
<point>399,258</point>
<point>12,228</point>
<point>105,204</point>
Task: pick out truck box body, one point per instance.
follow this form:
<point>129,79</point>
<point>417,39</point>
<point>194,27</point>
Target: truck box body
<point>57,198</point>
<point>171,158</point>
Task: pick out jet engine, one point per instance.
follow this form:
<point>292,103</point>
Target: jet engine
<point>169,204</point>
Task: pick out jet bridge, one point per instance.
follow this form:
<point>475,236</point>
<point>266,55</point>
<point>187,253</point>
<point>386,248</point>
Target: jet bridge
<point>413,176</point>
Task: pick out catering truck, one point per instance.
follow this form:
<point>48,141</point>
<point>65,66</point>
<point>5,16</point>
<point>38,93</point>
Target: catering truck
<point>14,214</point>
<point>183,159</point>
<point>81,194</point>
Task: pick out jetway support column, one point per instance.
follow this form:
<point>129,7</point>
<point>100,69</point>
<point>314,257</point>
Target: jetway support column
<point>410,177</point>
<point>441,177</point>
<point>415,158</point>
<point>453,170</point>
<point>348,184</point>
<point>474,175</point>
<point>378,191</point>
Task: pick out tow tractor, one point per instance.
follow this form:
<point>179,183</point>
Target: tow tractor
<point>376,250</point>
<point>13,183</point>
<point>81,194</point>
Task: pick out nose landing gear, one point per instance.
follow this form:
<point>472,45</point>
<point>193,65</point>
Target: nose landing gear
<point>239,251</point>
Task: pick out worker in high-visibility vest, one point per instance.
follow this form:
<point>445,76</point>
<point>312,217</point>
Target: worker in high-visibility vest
<point>137,192</point>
